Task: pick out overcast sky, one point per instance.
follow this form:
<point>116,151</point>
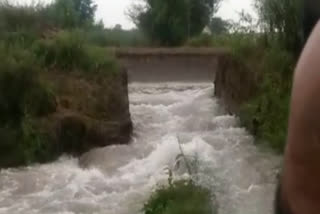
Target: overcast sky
<point>112,12</point>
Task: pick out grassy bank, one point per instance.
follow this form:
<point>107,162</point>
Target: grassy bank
<point>266,113</point>
<point>29,92</point>
<point>23,97</point>
<point>57,86</point>
<point>269,68</point>
<point>264,53</point>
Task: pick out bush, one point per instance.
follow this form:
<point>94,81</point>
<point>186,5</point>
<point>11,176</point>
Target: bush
<point>69,51</point>
<point>281,20</point>
<point>65,14</point>
<point>99,60</point>
<point>22,95</point>
<point>19,84</point>
<point>36,146</point>
<point>180,197</point>
<point>31,42</point>
<point>204,40</point>
<point>25,144</point>
<point>22,38</point>
<point>266,115</point>
<point>65,51</point>
<point>23,24</point>
<point>14,18</point>
<point>117,38</point>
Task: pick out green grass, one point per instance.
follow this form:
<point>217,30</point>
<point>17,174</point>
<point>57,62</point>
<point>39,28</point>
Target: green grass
<point>180,197</point>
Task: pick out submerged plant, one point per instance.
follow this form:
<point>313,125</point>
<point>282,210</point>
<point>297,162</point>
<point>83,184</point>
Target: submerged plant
<point>182,196</point>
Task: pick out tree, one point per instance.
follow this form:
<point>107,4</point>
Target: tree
<point>282,21</point>
<point>64,13</point>
<point>118,27</point>
<point>171,22</point>
<point>165,21</point>
<point>219,26</point>
<point>86,10</point>
<point>200,14</point>
<point>73,13</point>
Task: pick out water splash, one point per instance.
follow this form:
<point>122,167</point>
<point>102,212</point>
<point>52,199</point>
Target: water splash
<point>119,179</point>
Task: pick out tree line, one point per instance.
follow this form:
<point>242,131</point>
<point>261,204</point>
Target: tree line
<point>170,23</point>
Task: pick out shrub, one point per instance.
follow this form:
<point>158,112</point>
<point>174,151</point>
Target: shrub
<point>22,95</point>
<point>17,74</point>
<point>36,146</point>
<point>69,51</point>
<point>31,42</point>
<point>204,40</point>
<point>65,14</point>
<point>180,197</point>
<point>23,24</point>
<point>281,20</point>
<point>116,38</point>
<point>99,60</point>
<point>14,18</point>
<point>266,115</point>
<point>65,51</point>
<point>22,38</point>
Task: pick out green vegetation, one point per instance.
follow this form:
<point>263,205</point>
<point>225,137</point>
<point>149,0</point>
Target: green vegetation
<point>22,97</point>
<point>282,21</point>
<point>62,38</point>
<point>266,113</point>
<point>219,26</point>
<point>180,197</point>
<point>269,58</point>
<point>171,23</point>
<point>69,51</point>
<point>38,45</point>
<point>117,37</point>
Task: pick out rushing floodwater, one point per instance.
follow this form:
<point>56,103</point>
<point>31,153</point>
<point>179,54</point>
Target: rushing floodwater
<point>118,180</point>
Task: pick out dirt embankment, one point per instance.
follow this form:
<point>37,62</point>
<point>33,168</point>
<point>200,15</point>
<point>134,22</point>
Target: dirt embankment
<point>92,111</point>
<point>235,83</point>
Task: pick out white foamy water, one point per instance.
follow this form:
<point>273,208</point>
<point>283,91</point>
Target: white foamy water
<point>119,179</point>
